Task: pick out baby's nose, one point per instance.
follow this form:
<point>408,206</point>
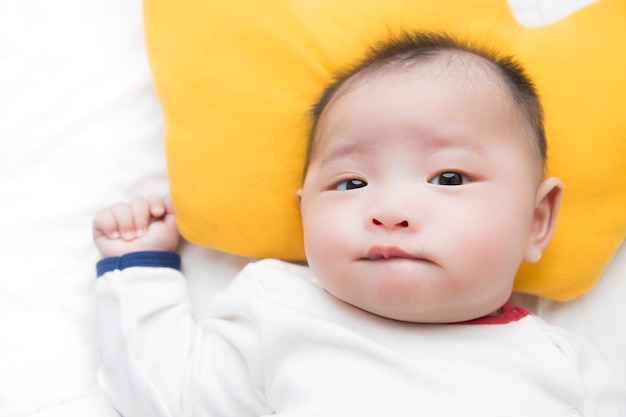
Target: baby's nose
<point>389,223</point>
<point>393,208</point>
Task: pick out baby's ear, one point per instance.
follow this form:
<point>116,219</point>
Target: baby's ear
<point>299,197</point>
<point>548,202</point>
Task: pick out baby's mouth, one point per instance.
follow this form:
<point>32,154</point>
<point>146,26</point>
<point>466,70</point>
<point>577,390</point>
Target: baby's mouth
<point>384,252</point>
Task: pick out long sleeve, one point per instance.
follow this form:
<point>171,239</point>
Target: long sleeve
<point>157,361</point>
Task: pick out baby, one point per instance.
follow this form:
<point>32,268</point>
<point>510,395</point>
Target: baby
<point>424,191</point>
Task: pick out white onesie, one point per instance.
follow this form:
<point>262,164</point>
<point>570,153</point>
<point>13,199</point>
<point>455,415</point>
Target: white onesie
<point>276,343</point>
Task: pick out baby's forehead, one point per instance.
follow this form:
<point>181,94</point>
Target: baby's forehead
<point>467,68</point>
<point>473,73</point>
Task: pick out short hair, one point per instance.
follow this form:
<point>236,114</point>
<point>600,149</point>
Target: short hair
<point>414,48</point>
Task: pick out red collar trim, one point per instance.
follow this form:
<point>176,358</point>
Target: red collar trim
<point>507,314</point>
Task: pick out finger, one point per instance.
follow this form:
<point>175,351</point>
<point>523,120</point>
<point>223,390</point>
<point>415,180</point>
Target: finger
<point>124,217</point>
<point>158,208</point>
<point>169,207</point>
<point>140,209</point>
<point>170,218</point>
<point>105,224</point>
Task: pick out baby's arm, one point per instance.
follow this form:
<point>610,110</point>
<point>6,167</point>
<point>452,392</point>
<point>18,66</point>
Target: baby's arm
<point>155,359</point>
<point>143,230</point>
<point>141,225</point>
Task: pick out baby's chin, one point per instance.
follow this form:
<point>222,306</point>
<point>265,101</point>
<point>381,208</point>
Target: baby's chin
<point>433,313</point>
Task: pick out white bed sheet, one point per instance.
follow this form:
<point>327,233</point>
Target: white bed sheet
<point>80,128</point>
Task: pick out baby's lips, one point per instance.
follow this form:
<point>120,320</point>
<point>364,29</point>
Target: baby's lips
<point>388,252</point>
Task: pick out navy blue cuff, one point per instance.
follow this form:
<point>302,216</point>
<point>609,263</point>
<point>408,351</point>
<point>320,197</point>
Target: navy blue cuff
<point>154,259</point>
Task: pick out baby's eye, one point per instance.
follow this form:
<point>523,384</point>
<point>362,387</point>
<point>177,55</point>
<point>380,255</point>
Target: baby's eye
<point>449,178</point>
<point>350,184</point>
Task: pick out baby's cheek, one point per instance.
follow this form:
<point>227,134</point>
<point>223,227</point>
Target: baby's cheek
<point>497,260</point>
<point>321,246</point>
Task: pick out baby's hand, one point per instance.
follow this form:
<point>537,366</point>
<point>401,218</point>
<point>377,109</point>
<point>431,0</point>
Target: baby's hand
<point>141,225</point>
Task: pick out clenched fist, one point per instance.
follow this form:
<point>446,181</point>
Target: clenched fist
<point>140,225</point>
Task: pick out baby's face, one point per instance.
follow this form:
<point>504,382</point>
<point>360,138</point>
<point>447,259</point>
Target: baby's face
<point>418,202</point>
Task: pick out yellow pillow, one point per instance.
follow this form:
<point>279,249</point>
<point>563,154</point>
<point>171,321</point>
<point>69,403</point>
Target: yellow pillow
<point>236,79</point>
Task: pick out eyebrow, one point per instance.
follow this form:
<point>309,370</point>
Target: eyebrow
<point>445,142</point>
<point>342,151</point>
<point>427,144</point>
